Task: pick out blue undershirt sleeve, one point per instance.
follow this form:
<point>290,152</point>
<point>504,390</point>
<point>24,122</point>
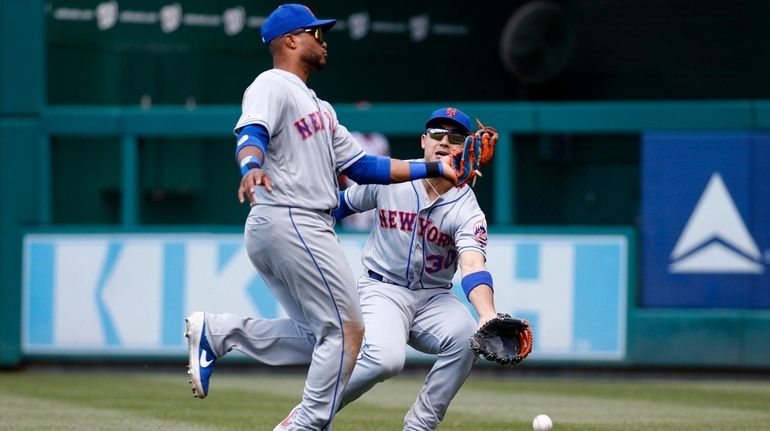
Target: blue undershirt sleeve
<point>370,170</point>
<point>254,135</point>
<point>343,210</point>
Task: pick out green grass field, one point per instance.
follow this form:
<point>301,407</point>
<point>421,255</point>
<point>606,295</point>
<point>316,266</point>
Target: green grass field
<point>112,400</point>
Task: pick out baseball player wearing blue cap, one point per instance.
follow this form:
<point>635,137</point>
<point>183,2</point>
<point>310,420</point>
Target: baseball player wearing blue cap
<point>291,149</point>
<point>425,229</point>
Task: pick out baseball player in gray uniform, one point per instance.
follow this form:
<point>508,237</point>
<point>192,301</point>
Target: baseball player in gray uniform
<point>291,149</point>
<point>424,230</point>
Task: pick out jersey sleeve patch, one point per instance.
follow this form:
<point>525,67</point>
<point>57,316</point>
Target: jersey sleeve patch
<point>480,233</point>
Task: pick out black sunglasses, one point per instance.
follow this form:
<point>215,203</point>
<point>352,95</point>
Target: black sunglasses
<point>317,33</point>
<point>454,137</point>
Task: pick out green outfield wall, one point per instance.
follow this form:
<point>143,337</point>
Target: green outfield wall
<point>655,337</point>
<point>22,96</point>
<point>114,120</point>
<point>203,52</point>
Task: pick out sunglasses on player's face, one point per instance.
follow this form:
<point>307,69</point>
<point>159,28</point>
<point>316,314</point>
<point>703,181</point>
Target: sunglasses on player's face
<point>317,33</point>
<point>454,137</point>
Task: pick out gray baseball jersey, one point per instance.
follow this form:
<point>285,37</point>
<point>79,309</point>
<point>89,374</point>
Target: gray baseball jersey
<point>413,254</point>
<point>308,147</point>
<point>415,243</point>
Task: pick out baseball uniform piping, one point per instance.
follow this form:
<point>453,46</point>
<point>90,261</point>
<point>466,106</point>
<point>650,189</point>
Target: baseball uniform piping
<point>336,310</point>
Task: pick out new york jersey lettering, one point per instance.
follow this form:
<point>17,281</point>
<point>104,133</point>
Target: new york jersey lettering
<point>310,124</point>
<point>303,129</point>
<point>407,221</point>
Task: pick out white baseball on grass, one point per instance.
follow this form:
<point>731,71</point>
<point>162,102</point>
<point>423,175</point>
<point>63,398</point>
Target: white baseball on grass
<point>542,423</point>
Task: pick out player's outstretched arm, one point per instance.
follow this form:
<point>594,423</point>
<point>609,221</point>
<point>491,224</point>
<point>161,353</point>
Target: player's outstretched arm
<point>385,170</point>
<point>500,337</point>
<point>477,284</point>
<point>402,170</point>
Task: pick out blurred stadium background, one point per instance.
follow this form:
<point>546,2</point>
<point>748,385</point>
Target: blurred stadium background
<point>628,198</point>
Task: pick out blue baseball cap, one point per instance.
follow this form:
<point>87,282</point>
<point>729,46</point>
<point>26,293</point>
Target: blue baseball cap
<point>290,17</point>
<point>452,115</point>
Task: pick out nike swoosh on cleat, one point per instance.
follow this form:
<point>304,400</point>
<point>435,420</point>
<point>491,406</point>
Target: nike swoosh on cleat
<point>203,361</point>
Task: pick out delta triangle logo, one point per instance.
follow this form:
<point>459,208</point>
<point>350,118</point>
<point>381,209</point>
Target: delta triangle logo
<point>715,239</point>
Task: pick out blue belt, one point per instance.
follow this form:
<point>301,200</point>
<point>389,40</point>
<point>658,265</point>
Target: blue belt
<point>379,277</point>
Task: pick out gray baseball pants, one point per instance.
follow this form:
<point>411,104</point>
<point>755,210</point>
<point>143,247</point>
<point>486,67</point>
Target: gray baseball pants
<point>432,321</point>
<point>298,255</point>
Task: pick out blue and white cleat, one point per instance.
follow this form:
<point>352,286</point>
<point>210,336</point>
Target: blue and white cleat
<point>201,356</point>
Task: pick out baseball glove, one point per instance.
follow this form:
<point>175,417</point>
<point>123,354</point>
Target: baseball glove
<point>477,151</point>
<point>486,139</point>
<point>503,339</point>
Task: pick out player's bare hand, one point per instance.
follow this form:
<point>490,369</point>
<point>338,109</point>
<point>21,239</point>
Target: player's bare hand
<point>249,183</point>
<point>449,172</point>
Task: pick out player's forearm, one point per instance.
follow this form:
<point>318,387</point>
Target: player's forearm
<point>251,147</point>
<point>250,151</point>
<point>483,300</point>
<point>477,282</point>
<point>385,170</point>
<point>402,170</point>
<point>250,158</point>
